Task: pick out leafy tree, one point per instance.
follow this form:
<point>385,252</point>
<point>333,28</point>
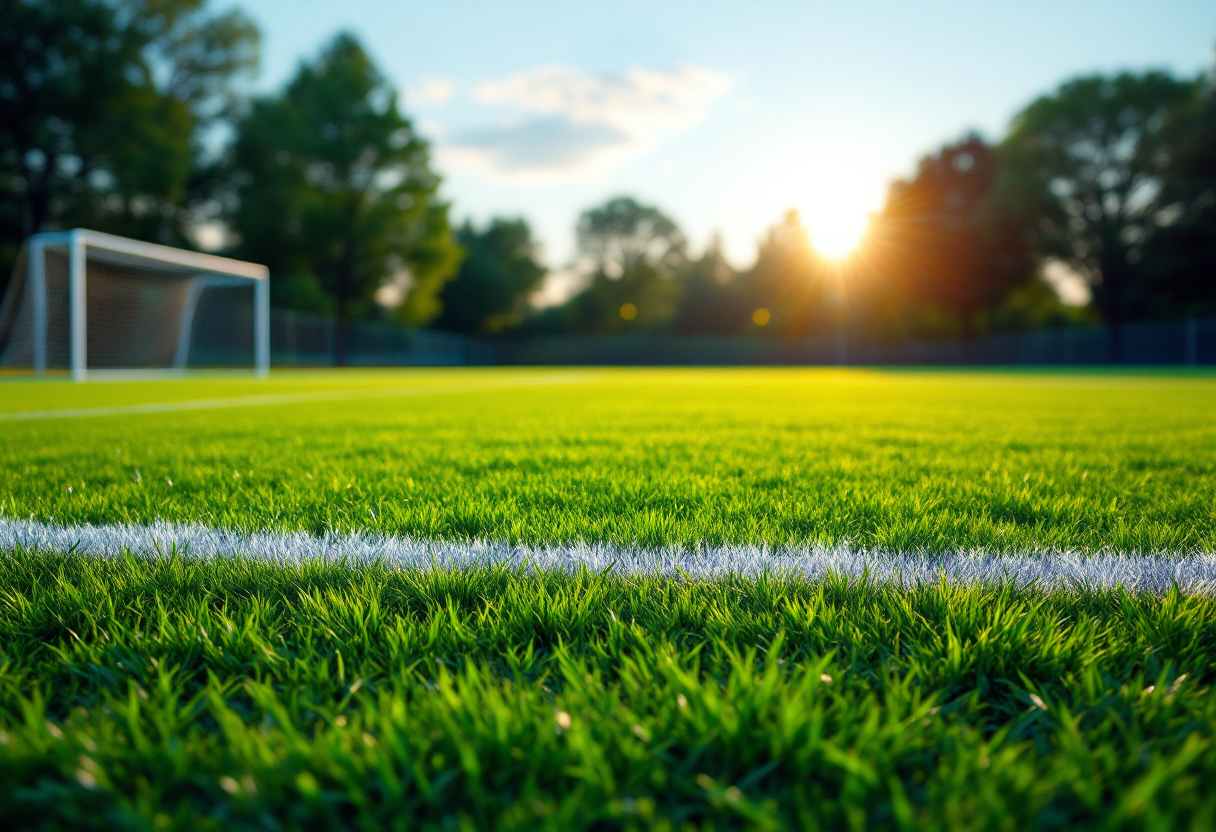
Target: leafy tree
<point>499,272</point>
<point>1086,162</point>
<point>711,301</point>
<point>1036,305</point>
<point>332,183</point>
<point>632,253</point>
<point>790,282</point>
<point>102,106</point>
<point>943,241</point>
<point>1177,272</point>
<point>623,235</point>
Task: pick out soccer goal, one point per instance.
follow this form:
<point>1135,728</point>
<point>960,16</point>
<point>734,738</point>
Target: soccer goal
<point>95,303</point>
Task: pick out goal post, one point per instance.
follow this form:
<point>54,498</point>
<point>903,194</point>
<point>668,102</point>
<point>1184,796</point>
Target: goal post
<point>86,301</point>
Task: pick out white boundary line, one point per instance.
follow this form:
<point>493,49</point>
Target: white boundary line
<point>1151,573</point>
<point>285,398</point>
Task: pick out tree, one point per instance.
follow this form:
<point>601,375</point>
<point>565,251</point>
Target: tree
<point>333,183</point>
<point>942,241</point>
<point>631,254</point>
<point>498,274</point>
<point>711,301</point>
<point>1036,305</point>
<point>789,281</point>
<point>1177,271</point>
<point>1086,163</point>
<point>623,236</point>
<point>102,106</point>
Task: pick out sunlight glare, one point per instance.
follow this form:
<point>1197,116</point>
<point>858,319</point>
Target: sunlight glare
<point>837,235</point>
<point>837,208</point>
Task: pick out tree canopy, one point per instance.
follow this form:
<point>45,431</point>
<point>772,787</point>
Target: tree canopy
<point>1177,269</point>
<point>1085,163</point>
<point>630,255</point>
<point>332,182</point>
<point>103,106</point>
<point>943,241</point>
<point>498,274</point>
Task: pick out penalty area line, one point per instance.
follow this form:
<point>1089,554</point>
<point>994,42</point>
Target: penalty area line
<point>1052,570</point>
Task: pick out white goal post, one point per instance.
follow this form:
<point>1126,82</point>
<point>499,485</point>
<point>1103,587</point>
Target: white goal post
<point>87,301</point>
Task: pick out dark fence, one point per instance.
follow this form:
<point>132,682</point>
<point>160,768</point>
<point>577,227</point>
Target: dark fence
<point>299,339</point>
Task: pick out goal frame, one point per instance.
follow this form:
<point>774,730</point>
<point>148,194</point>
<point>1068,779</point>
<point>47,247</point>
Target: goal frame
<point>212,269</point>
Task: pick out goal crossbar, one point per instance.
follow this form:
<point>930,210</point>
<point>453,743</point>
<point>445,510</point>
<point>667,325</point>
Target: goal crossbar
<point>208,270</point>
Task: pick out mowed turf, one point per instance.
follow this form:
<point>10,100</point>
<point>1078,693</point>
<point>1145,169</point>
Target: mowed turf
<point>173,692</point>
<point>240,695</point>
<point>899,460</point>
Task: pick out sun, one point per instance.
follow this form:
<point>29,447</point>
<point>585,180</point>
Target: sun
<point>836,206</point>
<point>835,190</point>
<point>837,234</point>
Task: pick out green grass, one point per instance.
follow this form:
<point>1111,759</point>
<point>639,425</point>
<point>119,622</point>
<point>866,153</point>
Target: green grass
<point>234,695</point>
<point>932,460</point>
<point>175,693</point>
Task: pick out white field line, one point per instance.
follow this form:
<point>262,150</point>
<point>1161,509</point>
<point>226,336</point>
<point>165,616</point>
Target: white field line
<point>1055,570</point>
<point>288,398</point>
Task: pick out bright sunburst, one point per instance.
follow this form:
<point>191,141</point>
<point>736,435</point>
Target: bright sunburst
<point>838,234</point>
<point>837,208</point>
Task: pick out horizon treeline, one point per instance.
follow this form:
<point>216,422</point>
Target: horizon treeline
<point>128,116</point>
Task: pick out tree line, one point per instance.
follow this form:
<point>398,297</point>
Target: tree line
<point>128,116</point>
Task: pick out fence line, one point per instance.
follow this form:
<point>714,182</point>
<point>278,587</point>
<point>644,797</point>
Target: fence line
<point>304,339</point>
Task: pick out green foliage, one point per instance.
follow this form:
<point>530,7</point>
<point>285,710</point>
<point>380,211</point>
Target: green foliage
<point>943,241</point>
<point>497,276</point>
<point>791,281</point>
<point>171,692</point>
<point>900,460</point>
<point>1084,163</point>
<point>102,105</point>
<point>712,300</point>
<point>332,181</point>
<point>1177,272</point>
<point>632,254</point>
<point>1035,305</point>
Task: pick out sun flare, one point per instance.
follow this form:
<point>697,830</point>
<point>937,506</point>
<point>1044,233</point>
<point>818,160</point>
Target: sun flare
<point>836,207</point>
<point>838,235</point>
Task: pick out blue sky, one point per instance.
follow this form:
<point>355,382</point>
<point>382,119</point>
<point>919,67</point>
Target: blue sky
<point>725,114</point>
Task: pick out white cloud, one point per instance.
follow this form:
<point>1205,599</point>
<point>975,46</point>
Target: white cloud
<point>571,122</point>
<point>638,100</point>
<point>431,90</point>
<point>538,148</point>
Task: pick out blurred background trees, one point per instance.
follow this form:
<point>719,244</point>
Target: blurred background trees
<point>498,275</point>
<point>1085,166</point>
<point>332,188</point>
<point>790,283</point>
<point>1177,273</point>
<point>105,108</point>
<point>945,243</point>
<point>630,256</point>
<point>132,116</point>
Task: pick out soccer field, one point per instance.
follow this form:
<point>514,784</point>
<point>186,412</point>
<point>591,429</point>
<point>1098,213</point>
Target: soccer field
<point>509,598</point>
<point>896,460</point>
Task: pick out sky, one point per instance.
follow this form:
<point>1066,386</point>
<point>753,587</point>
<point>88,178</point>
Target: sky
<point>723,114</point>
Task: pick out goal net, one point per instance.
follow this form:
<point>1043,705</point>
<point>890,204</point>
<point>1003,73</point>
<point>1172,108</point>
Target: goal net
<point>90,302</point>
